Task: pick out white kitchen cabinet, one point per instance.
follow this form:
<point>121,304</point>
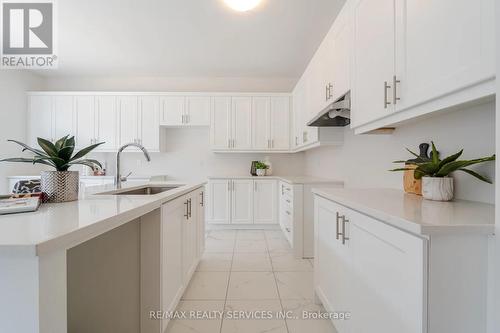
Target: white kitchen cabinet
<point>280,123</point>
<point>332,262</point>
<point>428,57</point>
<point>173,110</point>
<point>241,121</point>
<point>261,123</point>
<point>398,278</point>
<point>220,128</point>
<point>172,279</point>
<point>106,125</point>
<point>40,119</point>
<point>370,269</point>
<point>64,116</point>
<point>139,121</point>
<point>149,122</point>
<point>182,111</point>
<point>442,48</point>
<point>129,118</point>
<point>198,110</point>
<point>373,58</point>
<point>201,221</point>
<point>190,236</point>
<point>265,201</point>
<point>271,123</point>
<point>85,120</point>
<point>242,201</point>
<point>219,201</point>
<point>339,81</point>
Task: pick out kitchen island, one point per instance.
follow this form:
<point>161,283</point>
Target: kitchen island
<point>48,257</point>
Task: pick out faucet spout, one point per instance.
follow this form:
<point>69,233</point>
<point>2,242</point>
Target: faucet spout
<point>118,178</point>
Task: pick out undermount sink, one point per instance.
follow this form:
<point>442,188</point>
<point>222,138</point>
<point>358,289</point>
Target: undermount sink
<point>147,190</point>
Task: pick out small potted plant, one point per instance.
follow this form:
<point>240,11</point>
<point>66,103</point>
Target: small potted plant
<point>437,183</point>
<point>261,168</point>
<point>60,185</point>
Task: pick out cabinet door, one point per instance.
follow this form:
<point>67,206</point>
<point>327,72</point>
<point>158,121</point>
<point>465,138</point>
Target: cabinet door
<point>388,279</point>
<point>442,47</point>
<point>332,262</point>
<point>241,123</point>
<point>219,201</point>
<point>298,107</point>
<point>280,123</point>
<point>85,120</point>
<point>40,119</point>
<point>172,220</point>
<point>173,110</point>
<point>341,55</point>
<point>201,204</point>
<point>373,59</point>
<point>220,123</point>
<point>265,202</point>
<point>127,106</point>
<point>189,238</point>
<point>64,117</point>
<point>198,110</point>
<point>242,201</point>
<point>150,122</point>
<point>107,122</point>
<point>261,119</point>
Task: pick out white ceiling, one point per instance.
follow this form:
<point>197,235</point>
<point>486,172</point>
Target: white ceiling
<point>190,38</point>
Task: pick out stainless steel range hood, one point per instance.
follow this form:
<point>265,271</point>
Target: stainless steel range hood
<point>337,114</point>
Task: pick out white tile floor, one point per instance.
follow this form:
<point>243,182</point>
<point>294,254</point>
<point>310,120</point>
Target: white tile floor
<point>250,270</point>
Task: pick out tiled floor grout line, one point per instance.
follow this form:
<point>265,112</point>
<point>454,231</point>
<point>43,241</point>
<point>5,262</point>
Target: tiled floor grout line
<point>275,281</point>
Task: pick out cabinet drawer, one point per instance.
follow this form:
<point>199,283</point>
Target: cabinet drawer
<point>286,190</point>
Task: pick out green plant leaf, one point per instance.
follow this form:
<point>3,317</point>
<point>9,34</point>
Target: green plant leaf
<point>478,176</point>
<point>95,162</point>
<point>65,153</point>
<point>414,154</point>
<point>450,158</point>
<point>70,142</point>
<point>455,165</point>
<point>435,154</point>
<point>428,168</point>
<point>47,147</point>
<point>418,174</point>
<point>402,169</point>
<point>60,143</point>
<point>88,163</point>
<point>26,147</point>
<point>85,151</point>
<point>27,160</point>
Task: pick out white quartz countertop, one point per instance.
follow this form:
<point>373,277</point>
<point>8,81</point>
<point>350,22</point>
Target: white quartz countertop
<point>60,225</point>
<point>286,179</point>
<point>414,214</point>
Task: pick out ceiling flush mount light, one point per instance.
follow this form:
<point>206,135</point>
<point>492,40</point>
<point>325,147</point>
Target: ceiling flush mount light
<point>242,5</point>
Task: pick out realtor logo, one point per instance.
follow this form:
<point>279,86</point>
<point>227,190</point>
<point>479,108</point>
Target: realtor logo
<point>28,34</point>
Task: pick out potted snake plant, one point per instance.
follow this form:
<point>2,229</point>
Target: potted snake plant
<point>61,184</point>
<point>437,183</point>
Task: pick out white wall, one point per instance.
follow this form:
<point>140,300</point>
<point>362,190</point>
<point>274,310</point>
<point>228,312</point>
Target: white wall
<point>187,156</point>
<point>363,160</point>
<point>13,85</point>
<point>191,84</point>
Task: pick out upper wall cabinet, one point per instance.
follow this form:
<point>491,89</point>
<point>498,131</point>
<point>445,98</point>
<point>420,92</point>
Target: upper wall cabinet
<point>250,123</point>
<point>414,57</point>
<point>139,121</point>
<point>182,111</point>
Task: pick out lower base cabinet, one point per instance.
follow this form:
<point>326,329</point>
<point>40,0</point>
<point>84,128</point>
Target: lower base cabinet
<point>182,244</point>
<point>242,201</point>
<point>391,281</point>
